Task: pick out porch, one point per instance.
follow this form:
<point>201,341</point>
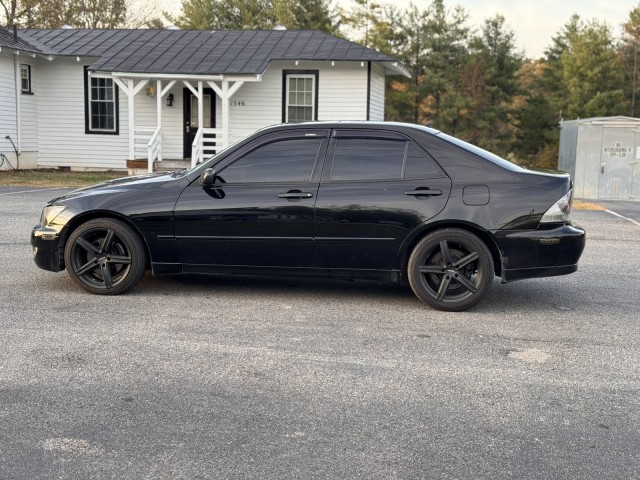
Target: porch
<point>145,142</point>
<point>148,156</point>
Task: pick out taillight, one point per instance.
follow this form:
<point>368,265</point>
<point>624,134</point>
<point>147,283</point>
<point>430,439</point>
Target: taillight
<point>560,210</point>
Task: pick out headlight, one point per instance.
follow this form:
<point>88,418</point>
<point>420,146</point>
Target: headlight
<point>559,211</point>
<point>49,213</point>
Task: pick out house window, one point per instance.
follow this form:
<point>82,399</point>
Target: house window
<point>101,105</point>
<point>25,78</point>
<point>300,96</point>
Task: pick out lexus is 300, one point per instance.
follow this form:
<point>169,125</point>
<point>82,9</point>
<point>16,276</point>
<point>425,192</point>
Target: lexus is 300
<point>389,201</point>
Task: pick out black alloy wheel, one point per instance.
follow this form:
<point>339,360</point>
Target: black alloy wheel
<point>105,256</point>
<point>450,269</point>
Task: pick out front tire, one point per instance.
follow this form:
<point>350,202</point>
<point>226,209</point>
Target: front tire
<point>450,269</point>
<point>105,256</point>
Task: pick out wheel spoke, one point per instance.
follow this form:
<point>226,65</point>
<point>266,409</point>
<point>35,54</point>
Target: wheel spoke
<point>108,242</point>
<point>431,269</point>
<point>119,260</point>
<point>473,256</point>
<point>444,284</point>
<point>90,266</point>
<point>446,253</point>
<point>106,275</point>
<point>88,246</point>
<point>466,283</point>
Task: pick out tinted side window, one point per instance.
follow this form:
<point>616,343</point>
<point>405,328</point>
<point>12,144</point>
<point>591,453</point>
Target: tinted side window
<point>419,164</point>
<point>289,160</point>
<point>367,159</point>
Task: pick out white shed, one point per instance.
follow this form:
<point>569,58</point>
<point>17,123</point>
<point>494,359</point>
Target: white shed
<point>603,157</point>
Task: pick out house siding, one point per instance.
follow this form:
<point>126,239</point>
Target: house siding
<point>146,116</point>
<point>29,113</point>
<point>7,107</point>
<point>343,91</point>
<point>342,95</point>
<point>376,99</point>
<point>61,121</point>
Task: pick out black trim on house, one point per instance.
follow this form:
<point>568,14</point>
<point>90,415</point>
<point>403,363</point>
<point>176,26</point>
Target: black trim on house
<point>28,91</point>
<point>187,137</point>
<point>368,91</point>
<point>116,108</point>
<point>285,73</point>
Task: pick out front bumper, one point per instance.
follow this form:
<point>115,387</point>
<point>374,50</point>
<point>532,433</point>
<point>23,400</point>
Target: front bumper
<point>47,248</point>
<point>540,253</point>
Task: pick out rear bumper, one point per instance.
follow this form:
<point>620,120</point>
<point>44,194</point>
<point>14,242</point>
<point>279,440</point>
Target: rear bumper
<point>540,253</point>
<point>47,252</point>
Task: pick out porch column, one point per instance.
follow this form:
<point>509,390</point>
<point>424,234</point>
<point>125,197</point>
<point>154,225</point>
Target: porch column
<point>201,106</point>
<point>160,93</point>
<point>225,113</point>
<point>131,90</point>
<point>159,103</point>
<point>225,93</point>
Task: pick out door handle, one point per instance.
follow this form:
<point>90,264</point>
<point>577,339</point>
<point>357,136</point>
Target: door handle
<point>295,194</point>
<point>424,192</point>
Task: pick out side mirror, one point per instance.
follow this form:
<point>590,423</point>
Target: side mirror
<point>208,176</point>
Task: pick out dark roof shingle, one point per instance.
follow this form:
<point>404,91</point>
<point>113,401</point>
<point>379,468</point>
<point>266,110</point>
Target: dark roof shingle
<point>193,52</point>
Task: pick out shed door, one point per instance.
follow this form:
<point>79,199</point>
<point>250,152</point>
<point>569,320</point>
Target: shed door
<point>619,161</point>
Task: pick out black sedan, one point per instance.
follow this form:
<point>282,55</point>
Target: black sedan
<point>388,201</point>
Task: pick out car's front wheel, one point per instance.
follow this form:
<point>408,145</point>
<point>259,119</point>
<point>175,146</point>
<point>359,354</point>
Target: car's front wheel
<point>450,269</point>
<point>105,256</point>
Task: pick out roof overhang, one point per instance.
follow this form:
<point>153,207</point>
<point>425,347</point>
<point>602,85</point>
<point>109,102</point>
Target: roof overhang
<point>17,51</point>
<point>396,68</point>
<point>177,76</point>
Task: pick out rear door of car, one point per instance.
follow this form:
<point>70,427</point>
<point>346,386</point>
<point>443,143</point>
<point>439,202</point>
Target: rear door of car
<point>377,186</point>
<point>259,211</point>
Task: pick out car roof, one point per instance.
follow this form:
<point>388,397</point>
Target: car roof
<point>392,126</point>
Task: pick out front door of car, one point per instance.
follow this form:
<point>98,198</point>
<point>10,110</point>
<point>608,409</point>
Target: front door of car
<point>377,187</point>
<point>259,210</point>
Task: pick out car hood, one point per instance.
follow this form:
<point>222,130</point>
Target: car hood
<point>136,182</point>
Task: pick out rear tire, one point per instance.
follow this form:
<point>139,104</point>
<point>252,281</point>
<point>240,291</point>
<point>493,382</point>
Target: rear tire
<point>450,269</point>
<point>105,256</point>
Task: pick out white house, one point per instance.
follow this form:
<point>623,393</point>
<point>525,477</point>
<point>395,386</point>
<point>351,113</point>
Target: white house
<point>108,99</point>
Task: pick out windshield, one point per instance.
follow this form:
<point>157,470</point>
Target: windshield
<point>492,157</point>
<point>209,162</point>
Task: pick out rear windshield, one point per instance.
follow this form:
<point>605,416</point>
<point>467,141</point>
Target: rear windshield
<point>492,157</point>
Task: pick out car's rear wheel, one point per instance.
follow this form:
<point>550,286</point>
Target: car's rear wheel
<point>105,256</point>
<point>450,269</point>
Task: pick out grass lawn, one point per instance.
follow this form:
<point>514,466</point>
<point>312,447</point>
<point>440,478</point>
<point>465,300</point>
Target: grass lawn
<point>55,178</point>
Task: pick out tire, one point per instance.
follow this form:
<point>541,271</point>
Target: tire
<point>450,269</point>
<point>105,256</point>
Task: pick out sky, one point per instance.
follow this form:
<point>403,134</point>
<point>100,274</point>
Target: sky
<point>535,22</point>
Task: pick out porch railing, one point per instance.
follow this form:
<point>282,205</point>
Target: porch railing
<point>154,149</point>
<point>197,153</point>
<point>148,144</point>
<point>208,141</point>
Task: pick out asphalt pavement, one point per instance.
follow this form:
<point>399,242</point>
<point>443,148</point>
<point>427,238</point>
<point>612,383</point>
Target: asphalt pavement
<point>193,377</point>
<point>628,209</point>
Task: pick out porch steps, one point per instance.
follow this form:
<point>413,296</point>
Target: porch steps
<point>139,167</point>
